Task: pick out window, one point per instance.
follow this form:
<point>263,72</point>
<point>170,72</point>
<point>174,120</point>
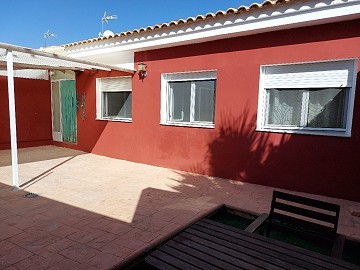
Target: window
<point>114,98</point>
<point>188,99</point>
<point>312,98</point>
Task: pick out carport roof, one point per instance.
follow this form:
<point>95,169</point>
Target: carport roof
<point>26,58</point>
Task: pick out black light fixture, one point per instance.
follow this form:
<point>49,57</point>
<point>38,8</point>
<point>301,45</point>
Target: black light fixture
<point>142,70</point>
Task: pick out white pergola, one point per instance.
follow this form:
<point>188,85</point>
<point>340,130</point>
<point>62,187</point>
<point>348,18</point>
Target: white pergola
<point>19,58</point>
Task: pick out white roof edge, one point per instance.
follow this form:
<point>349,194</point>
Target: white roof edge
<point>277,17</point>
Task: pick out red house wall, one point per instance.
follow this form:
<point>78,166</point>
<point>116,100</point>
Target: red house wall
<point>233,149</point>
<point>33,112</point>
<point>90,131</point>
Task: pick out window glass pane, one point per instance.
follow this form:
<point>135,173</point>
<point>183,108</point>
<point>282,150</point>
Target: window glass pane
<point>204,101</point>
<point>179,101</point>
<point>284,107</point>
<point>117,104</point>
<point>327,108</point>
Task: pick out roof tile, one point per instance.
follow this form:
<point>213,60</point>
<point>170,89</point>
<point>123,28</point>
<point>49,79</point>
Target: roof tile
<point>208,16</point>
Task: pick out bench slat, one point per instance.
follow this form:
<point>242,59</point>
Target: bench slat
<point>201,251</point>
<point>267,252</point>
<point>171,260</point>
<point>230,251</point>
<point>307,201</point>
<point>306,213</point>
<point>279,245</point>
<point>159,264</point>
<point>318,230</point>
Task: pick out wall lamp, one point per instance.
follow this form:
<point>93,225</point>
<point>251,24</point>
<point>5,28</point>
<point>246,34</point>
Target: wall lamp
<point>142,70</point>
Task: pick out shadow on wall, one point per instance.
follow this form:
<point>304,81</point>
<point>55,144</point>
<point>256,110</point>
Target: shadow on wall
<point>237,151</point>
<point>321,165</point>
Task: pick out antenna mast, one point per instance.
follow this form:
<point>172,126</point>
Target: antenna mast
<point>106,19</point>
<point>48,35</point>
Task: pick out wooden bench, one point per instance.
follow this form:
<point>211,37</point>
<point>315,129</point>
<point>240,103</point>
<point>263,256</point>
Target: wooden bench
<point>208,245</point>
<point>308,217</point>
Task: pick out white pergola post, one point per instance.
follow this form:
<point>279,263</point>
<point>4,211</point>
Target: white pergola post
<point>11,91</point>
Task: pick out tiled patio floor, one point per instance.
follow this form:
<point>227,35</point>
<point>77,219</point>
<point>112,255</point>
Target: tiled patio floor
<point>95,212</point>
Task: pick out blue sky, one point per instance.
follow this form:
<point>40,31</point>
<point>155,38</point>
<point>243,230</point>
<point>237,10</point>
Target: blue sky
<point>25,22</point>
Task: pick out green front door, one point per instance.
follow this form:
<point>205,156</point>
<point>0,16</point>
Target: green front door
<point>63,97</point>
<point>68,110</point>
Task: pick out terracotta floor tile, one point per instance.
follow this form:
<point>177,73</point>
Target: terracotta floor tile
<point>102,240</point>
<point>53,228</point>
<point>79,252</point>
<point>70,220</point>
<point>30,262</point>
<point>8,231</point>
<point>115,246</point>
<point>33,241</point>
<point>98,223</point>
<point>18,222</point>
<point>51,258</point>
<point>92,207</point>
<point>11,268</point>
<point>85,222</point>
<point>61,244</point>
<point>11,254</point>
<point>124,252</point>
<point>116,227</point>
<point>64,264</point>
<point>83,266</point>
<point>85,235</point>
<point>104,260</point>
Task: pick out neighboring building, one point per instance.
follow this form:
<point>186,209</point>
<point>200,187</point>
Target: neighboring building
<point>262,94</point>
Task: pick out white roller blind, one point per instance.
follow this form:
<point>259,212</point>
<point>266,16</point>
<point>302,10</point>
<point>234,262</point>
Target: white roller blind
<point>117,84</point>
<point>310,75</point>
<point>189,76</point>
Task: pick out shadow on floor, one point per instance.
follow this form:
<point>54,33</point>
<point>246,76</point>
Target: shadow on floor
<point>40,153</point>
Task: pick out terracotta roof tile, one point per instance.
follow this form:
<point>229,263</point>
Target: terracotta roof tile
<point>189,20</point>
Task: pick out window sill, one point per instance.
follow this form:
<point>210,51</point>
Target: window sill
<point>126,120</point>
<point>193,125</point>
<point>328,132</point>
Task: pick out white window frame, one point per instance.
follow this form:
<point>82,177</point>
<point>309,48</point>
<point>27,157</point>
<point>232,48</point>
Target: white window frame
<point>337,132</point>
<point>185,77</point>
<point>100,98</point>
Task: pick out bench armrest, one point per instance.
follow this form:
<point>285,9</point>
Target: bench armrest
<point>338,246</point>
<point>257,223</point>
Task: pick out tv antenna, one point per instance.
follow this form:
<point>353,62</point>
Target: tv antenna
<point>106,19</point>
<point>48,35</point>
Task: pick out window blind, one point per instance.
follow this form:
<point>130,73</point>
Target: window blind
<point>310,75</point>
<point>190,76</point>
<point>115,84</point>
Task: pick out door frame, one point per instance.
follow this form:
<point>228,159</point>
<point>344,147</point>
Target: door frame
<point>58,136</point>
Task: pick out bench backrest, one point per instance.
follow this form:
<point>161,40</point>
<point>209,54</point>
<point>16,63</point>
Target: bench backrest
<point>309,215</point>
